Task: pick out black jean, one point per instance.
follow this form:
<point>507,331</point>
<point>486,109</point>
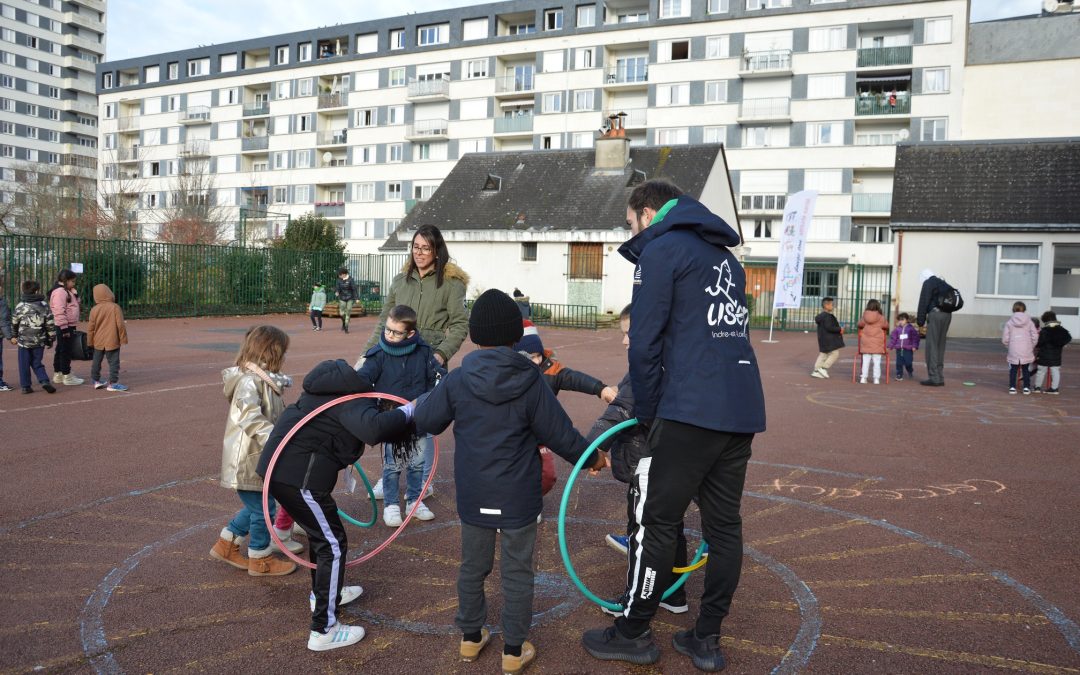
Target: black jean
<point>65,341</point>
<point>113,357</point>
<point>684,461</point>
<point>316,318</point>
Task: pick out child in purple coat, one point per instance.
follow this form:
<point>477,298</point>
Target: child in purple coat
<point>905,340</point>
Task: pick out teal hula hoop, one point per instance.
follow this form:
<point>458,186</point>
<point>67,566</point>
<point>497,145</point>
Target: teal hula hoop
<point>562,527</point>
<point>371,495</point>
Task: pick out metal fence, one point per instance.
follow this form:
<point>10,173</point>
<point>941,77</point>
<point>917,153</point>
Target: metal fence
<point>851,287</point>
<point>154,279</point>
<point>559,316</point>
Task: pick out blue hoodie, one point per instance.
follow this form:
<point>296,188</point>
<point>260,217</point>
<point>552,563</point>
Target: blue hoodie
<point>691,360</point>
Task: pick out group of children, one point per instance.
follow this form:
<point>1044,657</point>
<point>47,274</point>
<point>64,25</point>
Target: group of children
<point>39,322</point>
<point>1030,344</point>
<point>502,401</point>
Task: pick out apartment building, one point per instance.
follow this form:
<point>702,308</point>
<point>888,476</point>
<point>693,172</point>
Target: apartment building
<point>360,121</point>
<point>49,50</point>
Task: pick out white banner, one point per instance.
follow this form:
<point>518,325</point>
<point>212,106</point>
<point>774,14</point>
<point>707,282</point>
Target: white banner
<point>789,263</point>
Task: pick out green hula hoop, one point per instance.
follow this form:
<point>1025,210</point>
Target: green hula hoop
<point>371,495</point>
<point>562,527</point>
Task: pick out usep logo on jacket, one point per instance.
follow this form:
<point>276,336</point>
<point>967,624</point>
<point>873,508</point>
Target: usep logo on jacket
<point>690,355</point>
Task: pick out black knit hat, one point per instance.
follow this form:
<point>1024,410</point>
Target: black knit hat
<point>495,320</point>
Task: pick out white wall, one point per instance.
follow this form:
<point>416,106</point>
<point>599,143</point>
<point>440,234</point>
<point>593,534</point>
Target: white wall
<point>1021,100</point>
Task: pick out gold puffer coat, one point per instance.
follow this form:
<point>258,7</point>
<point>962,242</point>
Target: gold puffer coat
<point>254,406</point>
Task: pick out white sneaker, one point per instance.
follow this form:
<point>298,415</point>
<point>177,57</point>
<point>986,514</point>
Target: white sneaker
<point>825,373</point>
<point>378,489</point>
<point>818,374</point>
<point>877,381</point>
<point>348,594</point>
<point>293,546</point>
<point>339,635</point>
<point>58,378</point>
<point>298,531</point>
<point>430,491</point>
<point>71,380</point>
<point>422,512</point>
<point>862,380</point>
<point>392,516</point>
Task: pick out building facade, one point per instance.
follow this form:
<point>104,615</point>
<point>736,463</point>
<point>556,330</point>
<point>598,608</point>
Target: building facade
<point>360,121</point>
<point>49,50</point>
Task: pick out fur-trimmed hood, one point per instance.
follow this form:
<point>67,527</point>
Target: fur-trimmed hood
<point>451,271</point>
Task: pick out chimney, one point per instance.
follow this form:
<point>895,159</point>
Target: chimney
<point>613,148</point>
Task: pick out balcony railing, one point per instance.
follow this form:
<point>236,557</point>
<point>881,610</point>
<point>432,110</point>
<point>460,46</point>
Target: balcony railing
<point>871,202</point>
<point>884,56</point>
<point>338,137</point>
<point>762,202</point>
<point>883,104</point>
<point>429,88</point>
<point>195,148</point>
<point>765,62</point>
<point>634,118</point>
<point>514,83</point>
<point>765,108</point>
<point>426,128</point>
<point>127,154</point>
<point>336,100</point>
<point>197,114</point>
<point>253,109</point>
<point>330,209</point>
<point>255,143</point>
<point>514,124</point>
<point>128,123</point>
<point>631,73</point>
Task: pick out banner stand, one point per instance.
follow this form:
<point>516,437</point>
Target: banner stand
<point>798,215</point>
<point>772,320</point>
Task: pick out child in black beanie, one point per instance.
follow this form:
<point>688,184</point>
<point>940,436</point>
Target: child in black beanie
<point>502,411</point>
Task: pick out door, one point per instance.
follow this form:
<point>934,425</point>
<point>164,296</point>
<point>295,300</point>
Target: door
<point>1065,286</point>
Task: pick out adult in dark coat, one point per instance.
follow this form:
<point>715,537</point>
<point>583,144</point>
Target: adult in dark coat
<point>936,323</point>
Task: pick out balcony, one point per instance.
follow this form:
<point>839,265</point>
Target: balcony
<point>517,124</point>
<point>98,5</point>
<point>883,104</point>
<point>95,46</point>
<point>871,202</point>
<point>338,137</point>
<point>762,203</point>
<point>336,100</point>
<point>426,130</point>
<point>513,85</point>
<point>74,127</point>
<point>632,118</point>
<point>765,110</point>
<point>195,148</point>
<point>84,20</point>
<point>330,209</point>
<point>198,114</point>
<point>78,107</point>
<point>437,89</point>
<point>627,75</point>
<point>80,64</point>
<point>256,109</point>
<point>255,144</point>
<point>765,64</point>
<point>129,123</point>
<point>128,154</point>
<point>874,57</point>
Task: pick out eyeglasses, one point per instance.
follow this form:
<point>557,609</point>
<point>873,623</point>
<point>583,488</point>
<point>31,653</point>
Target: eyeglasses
<point>395,333</point>
<point>422,249</point>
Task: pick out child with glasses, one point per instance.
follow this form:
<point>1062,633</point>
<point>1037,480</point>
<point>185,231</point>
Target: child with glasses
<point>404,365</point>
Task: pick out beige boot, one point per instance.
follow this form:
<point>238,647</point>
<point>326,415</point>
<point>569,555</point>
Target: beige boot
<point>227,549</point>
<point>470,651</point>
<point>262,564</point>
<point>512,665</point>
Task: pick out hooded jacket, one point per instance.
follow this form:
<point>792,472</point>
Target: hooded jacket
<point>105,329</point>
<point>933,290</point>
<point>1052,339</point>
<point>64,305</point>
<point>874,331</point>
<point>254,405</point>
<point>830,335</point>
<point>559,377</point>
<point>333,439</point>
<point>345,289</point>
<point>690,355</point>
<point>628,446</point>
<point>32,322</point>
<point>441,317</point>
<point>318,298</point>
<point>502,411</point>
<point>5,320</point>
<point>404,374</point>
<point>910,342</point>
<point>1020,337</point>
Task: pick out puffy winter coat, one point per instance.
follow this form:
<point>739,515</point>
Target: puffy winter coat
<point>254,405</point>
<point>345,289</point>
<point>105,329</point>
<point>32,322</point>
<point>830,336</point>
<point>1020,337</point>
<point>64,305</point>
<point>559,377</point>
<point>898,341</point>
<point>874,331</point>
<point>1052,339</point>
<point>396,369</point>
<point>628,446</point>
<point>441,317</point>
<point>5,320</point>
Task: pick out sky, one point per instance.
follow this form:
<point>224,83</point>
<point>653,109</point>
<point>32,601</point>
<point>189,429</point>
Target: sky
<point>141,27</point>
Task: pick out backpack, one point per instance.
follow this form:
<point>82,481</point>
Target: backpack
<point>951,300</point>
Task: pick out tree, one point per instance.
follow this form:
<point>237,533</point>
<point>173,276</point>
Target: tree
<point>192,216</point>
<point>49,202</point>
<point>119,192</point>
<point>311,232</point>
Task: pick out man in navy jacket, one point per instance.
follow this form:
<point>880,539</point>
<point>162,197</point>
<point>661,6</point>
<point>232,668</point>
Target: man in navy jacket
<point>698,391</point>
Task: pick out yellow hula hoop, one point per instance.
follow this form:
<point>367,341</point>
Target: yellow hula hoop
<point>690,568</point>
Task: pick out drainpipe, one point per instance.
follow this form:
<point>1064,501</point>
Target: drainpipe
<point>899,267</point>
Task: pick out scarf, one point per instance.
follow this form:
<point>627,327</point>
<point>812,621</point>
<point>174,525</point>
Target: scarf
<point>406,346</point>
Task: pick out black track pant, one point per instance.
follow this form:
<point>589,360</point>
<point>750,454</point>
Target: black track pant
<point>685,461</point>
<point>316,512</point>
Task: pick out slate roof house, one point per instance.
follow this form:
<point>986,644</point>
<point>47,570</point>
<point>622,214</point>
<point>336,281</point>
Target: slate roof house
<point>550,221</point>
<point>999,220</point>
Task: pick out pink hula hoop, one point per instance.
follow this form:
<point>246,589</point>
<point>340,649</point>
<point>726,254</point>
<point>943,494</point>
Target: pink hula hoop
<point>285,441</point>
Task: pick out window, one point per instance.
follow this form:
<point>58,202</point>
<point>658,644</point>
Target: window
<point>281,195</point>
<point>303,52</point>
<point>364,192</point>
<point>196,67</point>
<point>1009,269</point>
<point>393,191</point>
<point>423,151</point>
<point>820,283</point>
<point>522,28</point>
<point>476,68</point>
<point>8,12</point>
<point>7,105</point>
<point>871,234</point>
<point>763,229</point>
<point>550,142</point>
<point>32,132</point>
<point>302,194</point>
<point>586,16</point>
<point>938,30</point>
<point>825,86</point>
<point>281,160</point>
<point>935,80</point>
<point>675,50</point>
<point>31,42</point>
<point>54,114</point>
<point>717,47</point>
<point>467,145</point>
<point>397,39</point>
<point>8,58</point>
<point>824,180</point>
<point>8,35</point>
<point>227,63</point>
<point>715,135</point>
<point>55,71</point>
<point>552,103</point>
<point>432,35</point>
<point>934,129</point>
<point>174,70</point>
<point>673,94</point>
<point>581,139</point>
<point>281,56</point>
<point>53,92</point>
<point>397,77</point>
<point>767,4</point>
<point>678,136</point>
<point>765,137</point>
<point>395,114</point>
<point>553,19</point>
<point>281,89</point>
<point>7,82</point>
<point>365,117</point>
<point>583,99</point>
<point>364,154</point>
<point>395,154</point>
<point>303,124</point>
<point>824,229</point>
<point>7,128</point>
<point>586,261</point>
<point>474,29</point>
<point>31,87</point>
<point>554,62</point>
<point>829,38</point>
<point>674,8</point>
<point>32,110</point>
<point>110,111</point>
<point>366,44</point>
<point>716,91</point>
<point>717,6</point>
<point>473,109</point>
<point>528,251</point>
<point>305,87</point>
<point>7,151</point>
<point>584,59</point>
<point>825,133</point>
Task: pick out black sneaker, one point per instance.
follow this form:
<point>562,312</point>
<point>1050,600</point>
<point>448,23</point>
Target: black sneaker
<point>47,386</point>
<point>27,390</point>
<point>704,652</point>
<point>1052,392</point>
<point>1037,390</point>
<point>608,644</point>
<point>899,378</point>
